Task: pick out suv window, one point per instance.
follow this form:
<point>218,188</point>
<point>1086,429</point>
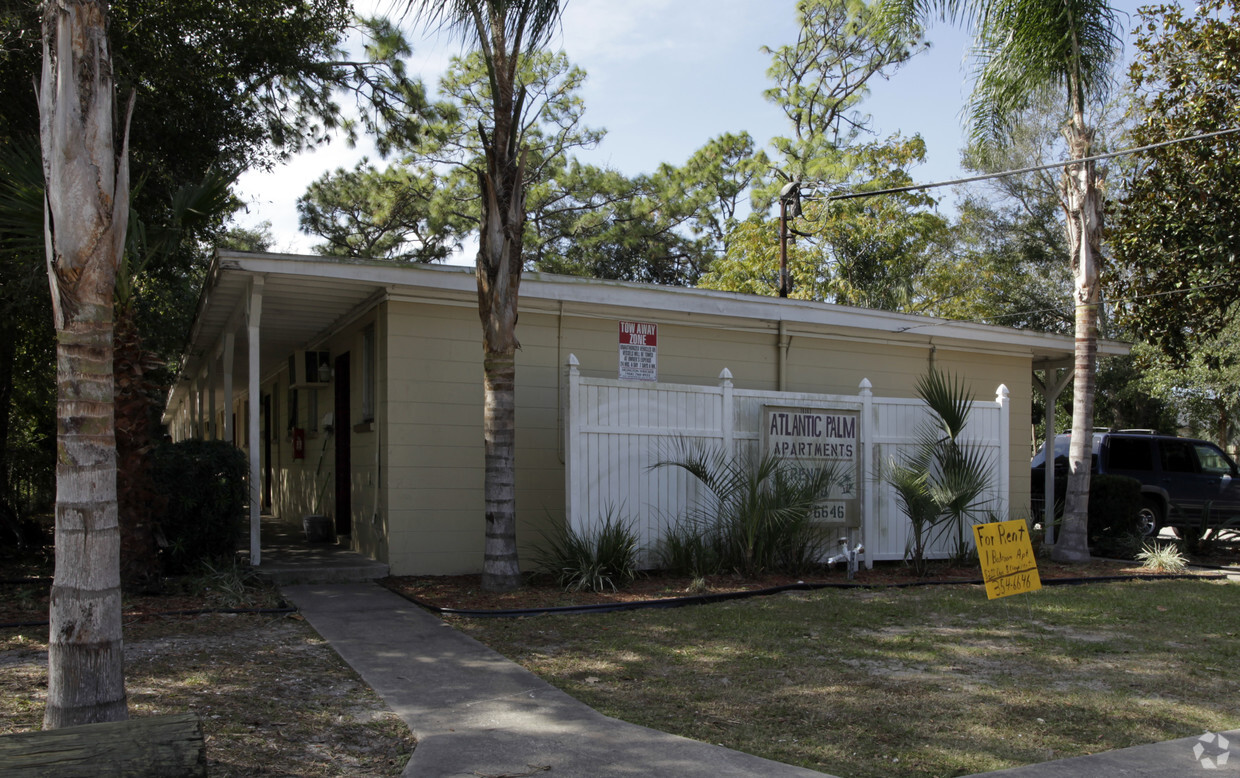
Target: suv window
<point>1177,457</point>
<point>1131,454</point>
<point>1212,460</point>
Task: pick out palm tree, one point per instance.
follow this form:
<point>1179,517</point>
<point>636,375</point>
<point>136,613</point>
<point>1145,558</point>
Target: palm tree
<point>86,215</point>
<point>941,481</point>
<point>505,32</point>
<point>1022,49</point>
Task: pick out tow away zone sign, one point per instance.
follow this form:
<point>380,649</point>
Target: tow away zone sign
<point>639,351</point>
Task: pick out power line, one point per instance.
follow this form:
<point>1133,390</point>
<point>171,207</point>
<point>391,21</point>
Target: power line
<point>1074,306</point>
<point>1021,171</point>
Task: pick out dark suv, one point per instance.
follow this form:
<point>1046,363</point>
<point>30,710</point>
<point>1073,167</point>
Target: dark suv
<point>1180,477</point>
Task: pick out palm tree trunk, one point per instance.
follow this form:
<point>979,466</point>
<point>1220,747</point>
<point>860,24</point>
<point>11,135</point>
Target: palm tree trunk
<point>501,570</point>
<point>85,651</point>
<point>87,207</point>
<point>498,273</point>
<point>1083,206</point>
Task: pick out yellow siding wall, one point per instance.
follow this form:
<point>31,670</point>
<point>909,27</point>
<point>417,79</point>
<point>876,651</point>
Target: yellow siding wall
<point>433,355</point>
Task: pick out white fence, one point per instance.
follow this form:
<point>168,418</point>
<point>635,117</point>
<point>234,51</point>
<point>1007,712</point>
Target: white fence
<point>617,430</point>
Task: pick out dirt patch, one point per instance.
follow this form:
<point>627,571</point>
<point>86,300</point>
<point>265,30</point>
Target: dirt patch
<point>273,697</point>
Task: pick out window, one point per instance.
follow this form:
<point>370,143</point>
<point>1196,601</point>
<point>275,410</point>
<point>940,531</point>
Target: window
<point>292,408</point>
<point>1177,457</point>
<point>1131,454</point>
<point>312,410</point>
<point>1213,461</point>
<point>368,373</point>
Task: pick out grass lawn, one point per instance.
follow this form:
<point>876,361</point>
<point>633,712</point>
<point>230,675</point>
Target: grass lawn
<point>933,681</point>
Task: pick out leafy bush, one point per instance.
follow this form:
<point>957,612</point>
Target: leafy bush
<point>686,550</point>
<point>1114,515</point>
<point>756,519</point>
<point>593,562</point>
<point>204,484</point>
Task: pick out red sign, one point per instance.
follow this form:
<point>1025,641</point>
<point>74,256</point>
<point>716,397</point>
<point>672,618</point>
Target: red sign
<point>639,352</point>
<point>636,333</point>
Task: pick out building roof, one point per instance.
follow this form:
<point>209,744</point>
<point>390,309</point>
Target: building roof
<point>307,298</point>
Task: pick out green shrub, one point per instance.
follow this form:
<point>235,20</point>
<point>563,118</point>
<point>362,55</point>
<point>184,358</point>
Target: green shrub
<point>603,559</point>
<point>204,482</point>
<point>1160,558</point>
<point>1114,520</point>
<point>755,519</point>
<point>686,550</point>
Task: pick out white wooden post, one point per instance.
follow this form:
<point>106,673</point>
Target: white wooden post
<point>228,352</point>
<point>1005,454</point>
<point>729,418</point>
<point>211,432</point>
<point>254,313</point>
<point>572,443</point>
<point>867,478</point>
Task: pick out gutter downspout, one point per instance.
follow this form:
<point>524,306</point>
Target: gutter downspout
<point>785,340</point>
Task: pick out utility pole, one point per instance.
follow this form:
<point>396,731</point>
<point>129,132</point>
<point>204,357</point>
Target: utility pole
<point>791,193</point>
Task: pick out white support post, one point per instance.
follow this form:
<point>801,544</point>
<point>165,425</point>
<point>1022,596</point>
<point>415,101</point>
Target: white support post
<point>729,417</point>
<point>227,354</point>
<point>867,479</point>
<point>200,425</point>
<point>254,314</point>
<point>1051,388</point>
<point>572,443</point>
<point>211,431</point>
<point>1002,397</point>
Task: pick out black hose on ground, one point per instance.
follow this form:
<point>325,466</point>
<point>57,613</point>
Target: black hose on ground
<point>704,599</point>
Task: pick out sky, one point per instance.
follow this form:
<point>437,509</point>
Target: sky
<point>664,77</point>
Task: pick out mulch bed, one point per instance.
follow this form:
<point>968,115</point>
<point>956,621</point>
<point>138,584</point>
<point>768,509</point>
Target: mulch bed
<point>465,592</point>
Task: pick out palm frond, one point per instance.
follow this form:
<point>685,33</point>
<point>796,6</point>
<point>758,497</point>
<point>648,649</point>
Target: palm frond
<point>529,23</point>
<point>21,195</point>
<point>948,398</point>
<point>1023,47</point>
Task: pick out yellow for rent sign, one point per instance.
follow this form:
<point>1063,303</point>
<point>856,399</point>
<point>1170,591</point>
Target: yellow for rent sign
<point>1008,564</point>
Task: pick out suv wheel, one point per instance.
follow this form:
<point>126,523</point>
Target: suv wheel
<point>1150,517</point>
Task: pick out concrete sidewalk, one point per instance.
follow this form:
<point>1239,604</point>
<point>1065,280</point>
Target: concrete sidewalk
<point>475,713</point>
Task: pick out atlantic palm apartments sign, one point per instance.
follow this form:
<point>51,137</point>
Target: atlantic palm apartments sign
<point>821,438</point>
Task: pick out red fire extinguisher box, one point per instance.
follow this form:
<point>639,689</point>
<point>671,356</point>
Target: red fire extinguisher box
<point>299,443</point>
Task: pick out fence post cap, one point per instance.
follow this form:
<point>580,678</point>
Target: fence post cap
<point>865,386</point>
<point>1001,394</point>
<point>725,375</point>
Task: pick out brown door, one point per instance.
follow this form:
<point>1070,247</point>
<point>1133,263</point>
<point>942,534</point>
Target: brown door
<point>344,463</point>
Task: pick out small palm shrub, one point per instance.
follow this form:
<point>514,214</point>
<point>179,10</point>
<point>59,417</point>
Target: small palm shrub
<point>595,561</point>
<point>940,484</point>
<point>756,517</point>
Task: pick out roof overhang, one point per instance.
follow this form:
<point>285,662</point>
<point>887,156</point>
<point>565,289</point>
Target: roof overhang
<point>305,299</point>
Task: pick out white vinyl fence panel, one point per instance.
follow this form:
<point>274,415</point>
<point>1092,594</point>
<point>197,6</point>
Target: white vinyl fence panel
<point>617,431</point>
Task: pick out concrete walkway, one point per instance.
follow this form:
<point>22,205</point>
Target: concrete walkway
<point>475,713</point>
